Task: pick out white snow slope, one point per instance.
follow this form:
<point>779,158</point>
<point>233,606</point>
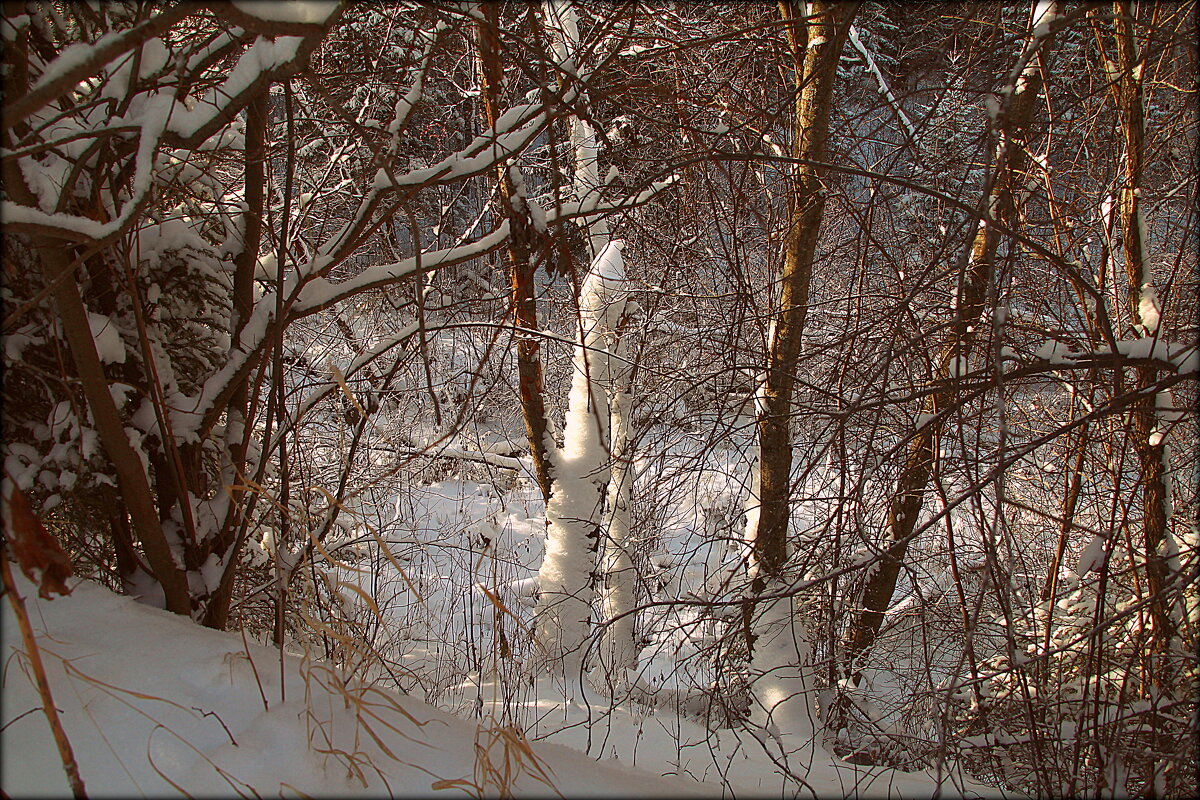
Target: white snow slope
<point>155,705</point>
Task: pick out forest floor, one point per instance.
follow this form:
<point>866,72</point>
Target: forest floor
<point>154,705</point>
<point>437,703</point>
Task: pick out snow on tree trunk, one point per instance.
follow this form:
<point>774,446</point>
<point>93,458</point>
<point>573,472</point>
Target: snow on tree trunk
<point>753,504</point>
<point>567,577</point>
<point>815,33</point>
<point>783,714</point>
<point>599,397</point>
<point>620,651</point>
<point>564,25</point>
<point>587,179</point>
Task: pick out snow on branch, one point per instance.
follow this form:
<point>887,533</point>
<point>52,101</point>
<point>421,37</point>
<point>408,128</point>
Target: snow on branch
<point>83,59</point>
<point>884,88</point>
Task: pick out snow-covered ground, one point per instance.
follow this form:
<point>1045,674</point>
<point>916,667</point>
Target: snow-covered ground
<point>431,692</point>
<point>155,705</point>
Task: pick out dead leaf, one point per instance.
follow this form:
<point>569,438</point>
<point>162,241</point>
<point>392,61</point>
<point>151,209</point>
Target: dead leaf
<point>36,551</point>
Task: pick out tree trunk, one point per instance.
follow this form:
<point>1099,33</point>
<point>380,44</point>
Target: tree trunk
<point>815,64</point>
<point>1127,91</point>
<point>776,638</point>
<point>131,477</point>
<point>237,433</point>
<point>567,576</point>
<point>522,242</point>
<point>620,576</point>
<point>132,481</point>
<point>1008,170</point>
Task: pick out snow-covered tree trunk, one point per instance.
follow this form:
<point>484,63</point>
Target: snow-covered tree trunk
<point>600,396</point>
<point>620,651</point>
<point>573,515</point>
<point>563,23</point>
<point>587,180</point>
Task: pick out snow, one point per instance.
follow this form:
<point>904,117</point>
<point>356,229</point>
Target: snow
<point>884,88</point>
<point>580,475</point>
<point>1168,417</point>
<point>218,734</point>
<point>262,56</point>
<point>147,698</point>
<point>1056,352</point>
<point>1106,211</point>
<point>1148,308</point>
<point>620,593</point>
<point>306,12</point>
<point>562,21</point>
<point>1092,557</point>
<point>785,706</point>
<point>150,702</point>
<point>319,293</point>
<point>602,297</point>
<point>109,346</point>
<point>12,25</point>
<point>1045,13</point>
<point>78,54</point>
<point>1184,357</point>
<point>15,213</point>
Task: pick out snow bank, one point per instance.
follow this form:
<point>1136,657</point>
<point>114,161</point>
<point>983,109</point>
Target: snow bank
<point>149,700</point>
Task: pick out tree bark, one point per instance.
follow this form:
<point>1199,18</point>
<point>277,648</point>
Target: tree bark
<point>776,638</point>
<point>815,61</point>
<point>522,264</point>
<point>620,574</point>
<point>238,405</point>
<point>1128,95</point>
<point>132,482</point>
<point>1008,170</point>
<point>131,477</point>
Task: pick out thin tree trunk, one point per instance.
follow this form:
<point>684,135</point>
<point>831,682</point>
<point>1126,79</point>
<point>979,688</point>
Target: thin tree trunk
<point>522,264</point>
<point>131,477</point>
<point>906,504</point>
<point>567,576</point>
<point>1127,91</point>
<point>132,482</point>
<point>237,416</point>
<point>776,638</point>
<point>620,576</point>
<point>815,65</point>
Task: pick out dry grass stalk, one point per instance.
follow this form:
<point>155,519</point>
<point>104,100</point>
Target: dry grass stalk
<point>497,777</point>
<point>33,653</point>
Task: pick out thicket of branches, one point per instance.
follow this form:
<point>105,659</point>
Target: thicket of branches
<point>910,313</point>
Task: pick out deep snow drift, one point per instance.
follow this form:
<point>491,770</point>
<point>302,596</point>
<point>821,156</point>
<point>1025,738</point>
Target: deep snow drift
<point>154,704</point>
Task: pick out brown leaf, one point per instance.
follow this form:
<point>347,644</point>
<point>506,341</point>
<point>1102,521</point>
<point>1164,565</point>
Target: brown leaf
<point>36,551</point>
